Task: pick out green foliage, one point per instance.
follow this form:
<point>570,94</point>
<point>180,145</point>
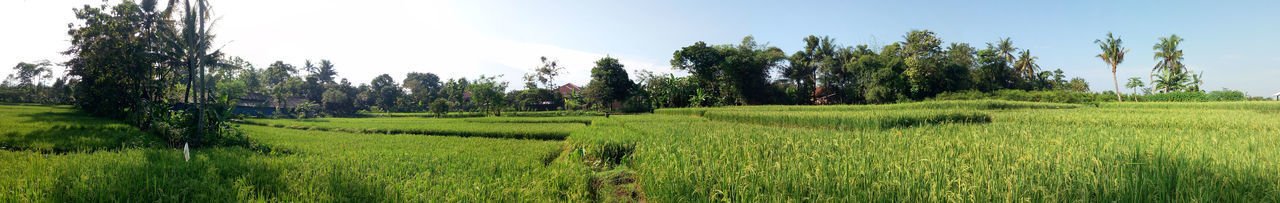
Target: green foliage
<point>423,87</point>
<point>735,74</point>
<point>665,90</point>
<point>306,110</point>
<point>308,166</point>
<point>428,126</point>
<point>440,107</point>
<point>1222,95</point>
<point>337,102</point>
<point>685,158</point>
<point>851,120</point>
<point>385,92</point>
<point>278,72</point>
<point>609,82</point>
<point>1056,96</point>
<point>538,99</point>
<point>486,93</point>
<point>60,129</point>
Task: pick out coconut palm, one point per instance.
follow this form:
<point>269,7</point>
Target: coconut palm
<point>1006,49</point>
<point>1172,81</point>
<point>189,45</point>
<point>1168,58</point>
<point>1026,64</point>
<point>1112,54</point>
<point>1134,83</point>
<point>1194,84</point>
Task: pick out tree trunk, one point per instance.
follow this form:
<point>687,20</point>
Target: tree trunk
<point>1116,82</point>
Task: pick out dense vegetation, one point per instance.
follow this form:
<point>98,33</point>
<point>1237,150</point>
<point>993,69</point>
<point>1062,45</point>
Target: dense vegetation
<point>911,121</point>
<point>977,151</point>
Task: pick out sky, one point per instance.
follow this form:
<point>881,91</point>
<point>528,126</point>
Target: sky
<point>1231,42</point>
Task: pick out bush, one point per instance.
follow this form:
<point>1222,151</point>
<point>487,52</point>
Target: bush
<point>1057,96</point>
<point>440,107</point>
<point>1226,95</point>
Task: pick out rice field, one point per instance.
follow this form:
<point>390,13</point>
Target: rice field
<point>952,151</point>
<point>496,127</point>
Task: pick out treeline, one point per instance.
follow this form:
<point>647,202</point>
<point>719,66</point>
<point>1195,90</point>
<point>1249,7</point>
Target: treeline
<point>155,66</point>
<point>314,91</point>
<point>921,66</point>
<point>28,85</point>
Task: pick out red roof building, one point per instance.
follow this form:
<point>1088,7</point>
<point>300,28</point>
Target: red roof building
<point>567,89</point>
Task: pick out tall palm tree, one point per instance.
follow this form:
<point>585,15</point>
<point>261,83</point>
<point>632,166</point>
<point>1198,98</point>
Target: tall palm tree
<point>1112,54</point>
<point>1168,57</point>
<point>189,45</point>
<point>1026,64</point>
<point>1005,46</point>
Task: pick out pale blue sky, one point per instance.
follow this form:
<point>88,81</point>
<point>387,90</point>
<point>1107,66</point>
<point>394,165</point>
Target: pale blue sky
<point>1232,42</point>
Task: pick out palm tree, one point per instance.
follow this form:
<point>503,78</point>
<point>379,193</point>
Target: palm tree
<point>1171,81</point>
<point>310,68</point>
<point>189,44</point>
<point>1134,83</point>
<point>1194,84</point>
<point>1005,46</point>
<point>1026,64</point>
<point>1168,57</point>
<point>1112,54</point>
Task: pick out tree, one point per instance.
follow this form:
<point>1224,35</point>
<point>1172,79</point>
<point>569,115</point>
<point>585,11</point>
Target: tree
<point>803,67</point>
<point>1134,83</point>
<point>1112,54</point>
<point>30,77</point>
<point>744,72</point>
<point>702,62</point>
<point>115,58</point>
<point>1195,82</point>
<point>455,91</point>
<point>337,102</point>
<point>1078,85</point>
<point>386,91</point>
<point>1169,62</point>
<point>279,71</point>
<point>423,87</point>
<point>309,67</point>
<point>961,54</point>
<point>29,74</point>
<point>993,72</point>
<point>884,81</point>
<point>1026,64</point>
<point>538,99</point>
<point>1006,49</point>
<point>487,94</point>
<point>546,74</point>
<point>922,53</point>
<point>440,107</point>
<point>609,82</point>
<point>326,72</point>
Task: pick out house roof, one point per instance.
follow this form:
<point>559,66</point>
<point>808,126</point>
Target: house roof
<point>568,89</point>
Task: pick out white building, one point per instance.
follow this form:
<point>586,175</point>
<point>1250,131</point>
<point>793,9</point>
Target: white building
<point>1277,95</point>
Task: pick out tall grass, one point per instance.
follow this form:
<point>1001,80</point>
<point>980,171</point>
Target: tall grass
<point>322,167</point>
<point>1021,151</point>
<point>427,126</point>
<point>569,119</point>
<point>851,120</point>
<point>1001,161</point>
<point>59,129</point>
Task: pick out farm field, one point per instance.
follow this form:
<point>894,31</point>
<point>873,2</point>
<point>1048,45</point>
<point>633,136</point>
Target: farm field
<point>926,151</point>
